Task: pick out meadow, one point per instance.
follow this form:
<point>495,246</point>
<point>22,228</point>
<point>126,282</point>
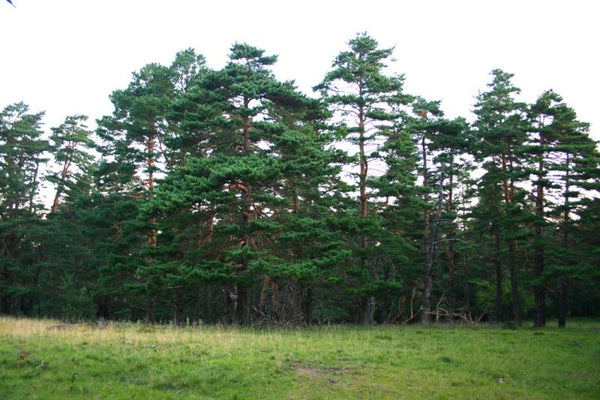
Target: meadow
<point>41,359</point>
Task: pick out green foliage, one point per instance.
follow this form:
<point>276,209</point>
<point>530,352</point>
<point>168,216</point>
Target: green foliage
<point>22,158</point>
<point>227,196</point>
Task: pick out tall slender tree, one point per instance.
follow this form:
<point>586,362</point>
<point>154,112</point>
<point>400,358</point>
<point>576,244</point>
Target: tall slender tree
<point>366,102</point>
<point>574,170</point>
<point>22,156</point>
<point>501,130</point>
<point>449,140</point>
<point>440,143</point>
<point>401,211</point>
<point>133,140</point>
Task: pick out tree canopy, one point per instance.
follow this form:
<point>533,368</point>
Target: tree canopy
<point>228,196</point>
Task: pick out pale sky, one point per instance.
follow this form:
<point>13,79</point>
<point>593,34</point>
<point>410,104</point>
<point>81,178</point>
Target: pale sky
<point>66,56</point>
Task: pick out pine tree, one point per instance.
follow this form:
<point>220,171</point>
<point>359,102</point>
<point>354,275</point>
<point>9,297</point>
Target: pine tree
<point>251,167</point>
<point>440,144</point>
<point>401,213</point>
<point>22,156</point>
<point>449,144</point>
<point>367,102</point>
<point>133,148</point>
<point>501,131</point>
<point>573,172</point>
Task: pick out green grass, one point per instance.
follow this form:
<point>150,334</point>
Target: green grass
<point>127,361</point>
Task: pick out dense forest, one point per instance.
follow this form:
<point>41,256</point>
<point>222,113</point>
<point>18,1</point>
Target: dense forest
<point>227,196</point>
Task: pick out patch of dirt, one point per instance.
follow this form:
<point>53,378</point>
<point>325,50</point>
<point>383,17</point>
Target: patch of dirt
<point>308,371</point>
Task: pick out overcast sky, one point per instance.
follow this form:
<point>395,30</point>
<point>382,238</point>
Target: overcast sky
<point>66,56</point>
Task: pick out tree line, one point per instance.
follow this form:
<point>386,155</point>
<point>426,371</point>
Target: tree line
<point>228,196</point>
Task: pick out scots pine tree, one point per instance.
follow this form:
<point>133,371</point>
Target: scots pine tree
<point>365,103</point>
<point>22,156</point>
<point>501,131</point>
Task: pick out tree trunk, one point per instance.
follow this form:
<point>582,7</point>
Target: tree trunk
<point>150,164</point>
<point>562,304</point>
<point>368,303</point>
<point>150,304</point>
<point>428,292</point>
<point>467,287</point>
<point>206,298</point>
<point>5,305</point>
<point>178,310</point>
<point>275,299</point>
<point>243,317</point>
<point>263,294</point>
<point>307,305</point>
<point>514,284</point>
<point>368,307</point>
<point>539,291</point>
<point>59,190</point>
<point>428,282</point>
<point>562,285</point>
<point>34,186</point>
<point>231,303</point>
<point>26,305</point>
<point>498,298</point>
<point>451,253</point>
<point>103,308</point>
<point>508,191</point>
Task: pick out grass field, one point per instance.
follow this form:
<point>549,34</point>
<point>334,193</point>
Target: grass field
<point>128,361</point>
